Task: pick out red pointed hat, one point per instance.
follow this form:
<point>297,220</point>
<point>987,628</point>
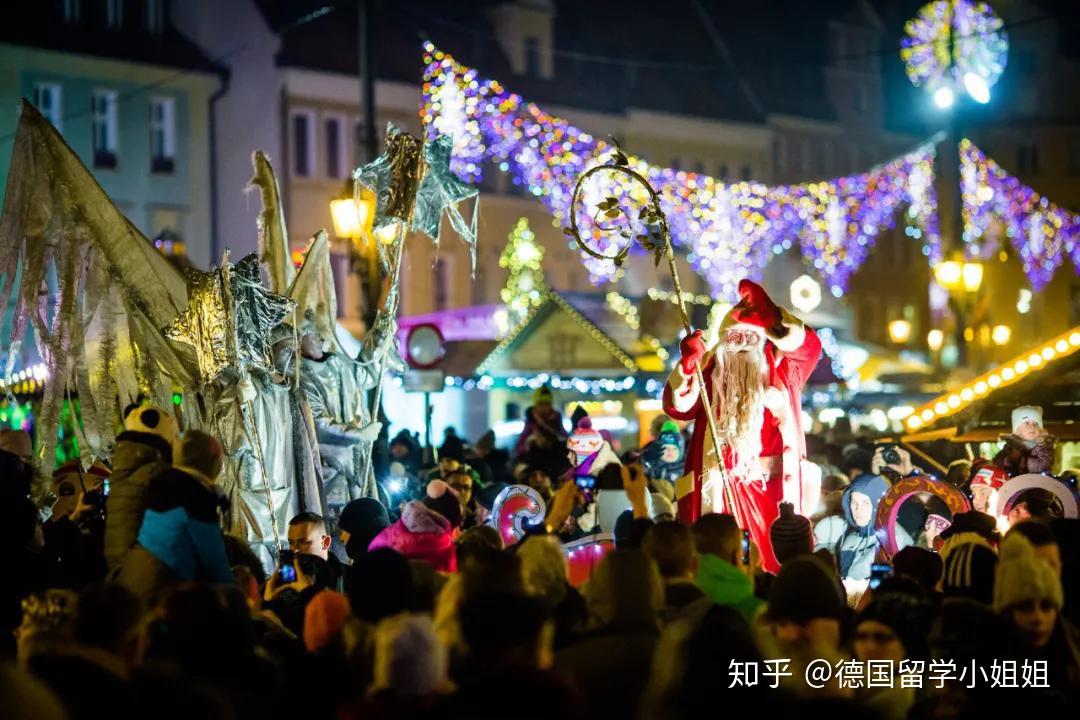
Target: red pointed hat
<point>754,309</point>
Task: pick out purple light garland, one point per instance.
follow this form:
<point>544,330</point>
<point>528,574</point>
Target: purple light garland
<point>729,230</point>
<point>1042,232</point>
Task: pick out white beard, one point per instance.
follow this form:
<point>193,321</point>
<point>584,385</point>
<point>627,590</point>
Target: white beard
<point>739,383</point>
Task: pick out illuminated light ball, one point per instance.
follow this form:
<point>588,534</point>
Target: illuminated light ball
<point>944,97</point>
<point>1048,353</point>
<point>1021,367</point>
<point>993,381</point>
<point>960,44</point>
<point>1074,339</point>
<point>927,415</point>
<point>914,422</point>
<point>977,88</point>
<point>967,395</point>
<point>954,401</point>
<point>1035,360</point>
<point>1007,374</point>
<point>981,388</point>
<point>1061,346</point>
<point>941,408</point>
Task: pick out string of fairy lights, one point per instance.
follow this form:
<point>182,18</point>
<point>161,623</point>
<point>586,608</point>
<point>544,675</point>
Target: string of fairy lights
<point>729,230</point>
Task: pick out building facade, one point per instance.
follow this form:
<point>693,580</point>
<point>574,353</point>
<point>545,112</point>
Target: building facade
<point>130,95</point>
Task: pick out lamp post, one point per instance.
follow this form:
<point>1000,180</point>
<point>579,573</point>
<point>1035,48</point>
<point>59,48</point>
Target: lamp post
<point>956,50</point>
<point>353,215</point>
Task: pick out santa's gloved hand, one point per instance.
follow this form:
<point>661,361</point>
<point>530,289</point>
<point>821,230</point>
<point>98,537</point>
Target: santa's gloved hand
<point>692,348</point>
<point>755,307</point>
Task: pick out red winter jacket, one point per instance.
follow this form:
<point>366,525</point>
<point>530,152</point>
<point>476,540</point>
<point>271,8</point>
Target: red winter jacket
<point>420,534</point>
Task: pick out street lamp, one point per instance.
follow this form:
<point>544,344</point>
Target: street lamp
<point>935,339</point>
<point>1001,334</point>
<point>900,331</point>
<point>353,214</point>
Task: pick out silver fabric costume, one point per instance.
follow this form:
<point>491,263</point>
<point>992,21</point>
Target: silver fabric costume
<point>334,388</point>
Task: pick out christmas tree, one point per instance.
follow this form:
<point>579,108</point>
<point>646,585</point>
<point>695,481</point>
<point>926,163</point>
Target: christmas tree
<point>525,287</point>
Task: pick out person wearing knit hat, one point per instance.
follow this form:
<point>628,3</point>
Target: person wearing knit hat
<point>143,451</point>
<point>1029,448</point>
<point>665,457</point>
<point>324,619</point>
<point>444,500</point>
<point>970,564</point>
<point>919,564</point>
<point>892,628</point>
<point>361,520</point>
<point>805,604</point>
<point>985,483</point>
<point>543,437</point>
<point>1029,595</point>
<point>791,535</point>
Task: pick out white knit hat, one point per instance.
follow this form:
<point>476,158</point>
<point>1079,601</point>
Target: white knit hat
<point>1026,412</point>
<point>1022,575</point>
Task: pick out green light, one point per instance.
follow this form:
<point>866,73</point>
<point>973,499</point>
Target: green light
<point>177,398</point>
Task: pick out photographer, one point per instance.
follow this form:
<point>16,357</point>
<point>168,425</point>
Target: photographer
<point>303,570</point>
<point>74,550</point>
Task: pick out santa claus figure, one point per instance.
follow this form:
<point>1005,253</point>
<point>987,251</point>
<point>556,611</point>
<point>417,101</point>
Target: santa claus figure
<point>754,378</point>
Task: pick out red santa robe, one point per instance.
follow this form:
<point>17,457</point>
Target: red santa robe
<point>790,361</point>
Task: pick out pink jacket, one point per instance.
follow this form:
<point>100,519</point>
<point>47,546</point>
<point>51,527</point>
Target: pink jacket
<point>420,534</point>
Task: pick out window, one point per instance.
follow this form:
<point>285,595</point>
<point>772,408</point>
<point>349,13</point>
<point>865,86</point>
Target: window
<point>103,127</point>
<point>72,11</point>
<point>721,171</point>
<point>442,283</point>
<point>47,100</point>
<point>162,134</point>
<point>779,152</point>
<point>166,229</point>
<point>804,160</point>
<point>335,163</point>
<point>155,16</point>
<point>114,14</point>
<point>699,167</point>
<point>746,173</point>
<point>675,164</point>
<point>532,56</point>
<point>302,144</point>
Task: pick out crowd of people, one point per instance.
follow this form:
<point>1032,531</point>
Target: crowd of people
<point>133,603</point>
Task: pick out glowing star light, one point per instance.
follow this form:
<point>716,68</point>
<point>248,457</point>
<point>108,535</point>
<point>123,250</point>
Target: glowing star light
<point>955,46</point>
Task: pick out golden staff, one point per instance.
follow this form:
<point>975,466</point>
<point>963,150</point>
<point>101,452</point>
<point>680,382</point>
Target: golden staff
<point>651,215</point>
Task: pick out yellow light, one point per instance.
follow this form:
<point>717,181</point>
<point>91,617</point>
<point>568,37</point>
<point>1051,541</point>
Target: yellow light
<point>353,217</point>
<point>1048,353</point>
<point>935,339</point>
<point>1074,339</point>
<point>1001,334</point>
<point>972,274</point>
<point>1061,346</point>
<point>387,233</point>
<point>1020,367</point>
<point>1007,374</point>
<point>967,395</point>
<point>346,218</point>
<point>941,408</point>
<point>1035,360</point>
<point>899,331</point>
<point>969,334</point>
<point>914,421</point>
<point>954,401</point>
<point>993,381</point>
<point>949,274</point>
<point>980,388</point>
<point>927,415</point>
